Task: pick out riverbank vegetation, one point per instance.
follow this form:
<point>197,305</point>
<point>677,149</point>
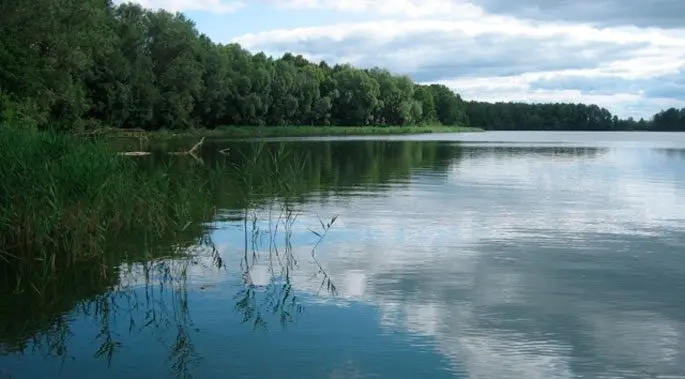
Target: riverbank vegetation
<point>282,131</point>
<point>79,65</point>
<point>137,269</point>
<point>63,199</point>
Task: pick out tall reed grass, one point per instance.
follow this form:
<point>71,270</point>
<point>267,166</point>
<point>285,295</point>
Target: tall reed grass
<point>63,197</point>
<point>75,227</point>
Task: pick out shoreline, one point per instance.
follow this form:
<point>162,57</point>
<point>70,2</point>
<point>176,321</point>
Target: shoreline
<point>249,132</point>
<point>291,131</point>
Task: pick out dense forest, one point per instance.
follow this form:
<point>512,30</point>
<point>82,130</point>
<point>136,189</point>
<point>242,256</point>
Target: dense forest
<point>78,64</point>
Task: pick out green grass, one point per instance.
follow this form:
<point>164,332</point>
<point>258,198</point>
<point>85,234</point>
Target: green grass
<point>62,197</point>
<point>305,131</point>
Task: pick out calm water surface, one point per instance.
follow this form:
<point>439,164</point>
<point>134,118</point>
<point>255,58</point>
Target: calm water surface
<point>485,255</point>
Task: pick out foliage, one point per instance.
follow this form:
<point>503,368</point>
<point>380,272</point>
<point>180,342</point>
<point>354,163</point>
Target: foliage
<point>670,119</point>
<point>79,64</point>
<point>61,196</point>
<point>522,116</point>
<point>133,67</point>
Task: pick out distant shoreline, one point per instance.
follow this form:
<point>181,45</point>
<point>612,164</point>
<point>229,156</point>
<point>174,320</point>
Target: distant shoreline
<point>295,131</point>
<point>245,132</point>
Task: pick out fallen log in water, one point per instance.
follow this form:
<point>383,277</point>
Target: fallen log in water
<point>192,152</point>
<point>135,153</point>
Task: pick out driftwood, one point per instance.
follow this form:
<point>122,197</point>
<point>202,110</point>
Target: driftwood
<point>192,152</point>
<point>135,153</point>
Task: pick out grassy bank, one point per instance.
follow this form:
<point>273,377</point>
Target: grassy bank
<point>62,198</point>
<point>303,131</point>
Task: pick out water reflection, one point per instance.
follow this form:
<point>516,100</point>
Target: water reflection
<point>143,280</point>
<point>445,260</point>
<point>529,267</point>
<point>151,298</point>
<point>278,294</point>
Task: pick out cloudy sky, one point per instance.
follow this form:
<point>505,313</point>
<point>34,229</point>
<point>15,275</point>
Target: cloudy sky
<point>626,55</point>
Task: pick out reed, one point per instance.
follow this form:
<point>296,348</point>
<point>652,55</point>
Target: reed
<point>62,197</point>
<point>83,227</point>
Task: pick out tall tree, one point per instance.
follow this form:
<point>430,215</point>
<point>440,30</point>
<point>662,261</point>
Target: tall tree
<point>77,64</point>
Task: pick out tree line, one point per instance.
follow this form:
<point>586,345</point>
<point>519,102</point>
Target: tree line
<point>73,64</point>
<point>565,116</point>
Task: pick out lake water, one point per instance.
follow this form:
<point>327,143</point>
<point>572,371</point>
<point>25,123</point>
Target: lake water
<point>484,255</point>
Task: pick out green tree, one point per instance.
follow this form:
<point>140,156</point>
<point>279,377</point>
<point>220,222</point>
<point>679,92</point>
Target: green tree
<point>77,64</point>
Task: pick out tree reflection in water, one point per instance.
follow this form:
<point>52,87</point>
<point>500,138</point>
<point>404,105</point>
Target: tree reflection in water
<point>151,296</point>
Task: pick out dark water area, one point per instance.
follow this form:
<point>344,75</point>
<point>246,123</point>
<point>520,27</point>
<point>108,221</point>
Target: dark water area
<point>476,255</point>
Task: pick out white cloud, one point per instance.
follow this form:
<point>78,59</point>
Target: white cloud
<point>652,13</point>
<point>496,50</point>
<point>495,57</point>
<point>214,6</point>
<point>659,13</point>
<point>408,8</point>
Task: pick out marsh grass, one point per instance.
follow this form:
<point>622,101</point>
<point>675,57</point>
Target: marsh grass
<point>62,198</point>
<point>140,226</point>
<point>269,173</point>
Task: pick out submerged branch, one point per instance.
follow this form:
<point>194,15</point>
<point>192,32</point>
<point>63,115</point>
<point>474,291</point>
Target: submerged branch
<point>191,152</point>
<point>135,153</point>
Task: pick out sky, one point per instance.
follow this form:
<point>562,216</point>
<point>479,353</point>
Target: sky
<point>625,55</point>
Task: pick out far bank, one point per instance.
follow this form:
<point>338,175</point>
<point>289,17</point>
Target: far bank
<point>293,131</point>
